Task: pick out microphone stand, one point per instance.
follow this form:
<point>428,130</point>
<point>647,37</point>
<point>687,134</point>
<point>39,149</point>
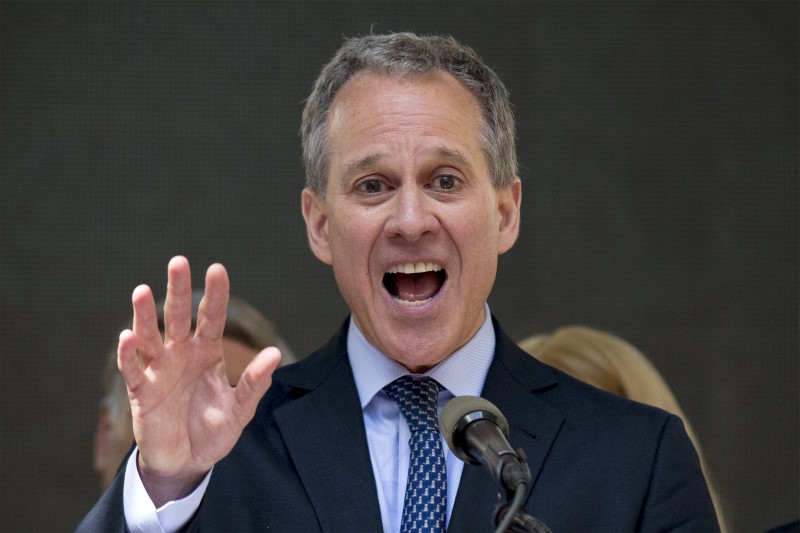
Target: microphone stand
<point>510,516</point>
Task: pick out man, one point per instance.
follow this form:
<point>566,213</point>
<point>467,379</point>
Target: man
<point>412,194</point>
<point>246,333</point>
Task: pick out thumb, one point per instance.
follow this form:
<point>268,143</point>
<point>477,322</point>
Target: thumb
<point>255,381</point>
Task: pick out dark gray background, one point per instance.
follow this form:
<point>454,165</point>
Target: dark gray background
<point>658,143</point>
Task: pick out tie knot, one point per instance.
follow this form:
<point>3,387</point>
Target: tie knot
<point>417,399</point>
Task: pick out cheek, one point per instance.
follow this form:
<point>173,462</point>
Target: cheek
<point>479,233</point>
<point>352,236</point>
<point>350,261</point>
<point>122,434</point>
<point>478,238</point>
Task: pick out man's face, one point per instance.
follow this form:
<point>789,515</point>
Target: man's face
<point>237,356</point>
<point>411,222</point>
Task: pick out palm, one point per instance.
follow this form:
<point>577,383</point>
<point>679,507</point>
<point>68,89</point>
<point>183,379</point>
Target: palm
<point>183,410</point>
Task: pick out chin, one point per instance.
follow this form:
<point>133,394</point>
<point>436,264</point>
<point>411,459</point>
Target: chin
<point>419,359</point>
<point>418,367</point>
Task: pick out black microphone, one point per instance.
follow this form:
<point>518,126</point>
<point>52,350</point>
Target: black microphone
<point>477,433</point>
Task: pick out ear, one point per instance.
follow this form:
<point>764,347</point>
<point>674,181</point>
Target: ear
<point>101,438</point>
<point>509,200</point>
<point>315,214</point>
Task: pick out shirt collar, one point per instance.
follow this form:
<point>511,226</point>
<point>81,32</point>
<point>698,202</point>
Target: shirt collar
<point>462,373</point>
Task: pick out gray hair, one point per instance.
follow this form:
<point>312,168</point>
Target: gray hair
<point>400,54</point>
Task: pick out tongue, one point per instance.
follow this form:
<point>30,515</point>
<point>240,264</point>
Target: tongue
<point>417,287</point>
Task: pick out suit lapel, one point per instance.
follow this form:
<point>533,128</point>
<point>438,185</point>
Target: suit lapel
<point>324,433</point>
<point>335,467</point>
<point>512,382</point>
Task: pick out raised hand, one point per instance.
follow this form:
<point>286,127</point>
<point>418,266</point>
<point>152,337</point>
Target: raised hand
<point>186,416</point>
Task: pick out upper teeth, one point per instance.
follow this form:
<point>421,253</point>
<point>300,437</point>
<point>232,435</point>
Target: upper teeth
<point>414,268</point>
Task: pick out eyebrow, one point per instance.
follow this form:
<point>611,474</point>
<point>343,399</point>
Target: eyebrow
<point>453,154</point>
<point>368,160</point>
<point>362,163</point>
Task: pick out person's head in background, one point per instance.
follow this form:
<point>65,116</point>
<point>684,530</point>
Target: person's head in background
<point>247,332</point>
<point>614,365</point>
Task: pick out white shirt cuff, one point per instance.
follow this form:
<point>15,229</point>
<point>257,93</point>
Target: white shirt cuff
<point>141,515</point>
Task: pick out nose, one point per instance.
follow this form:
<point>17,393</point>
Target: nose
<point>412,214</point>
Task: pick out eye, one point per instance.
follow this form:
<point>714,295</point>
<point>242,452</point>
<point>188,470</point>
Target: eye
<point>371,186</point>
<point>445,182</point>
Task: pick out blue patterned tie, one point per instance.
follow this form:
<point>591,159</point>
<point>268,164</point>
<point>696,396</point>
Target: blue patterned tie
<point>425,505</point>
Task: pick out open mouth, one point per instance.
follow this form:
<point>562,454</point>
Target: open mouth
<point>414,283</point>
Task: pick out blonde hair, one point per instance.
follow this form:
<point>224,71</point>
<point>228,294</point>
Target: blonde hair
<point>614,365</point>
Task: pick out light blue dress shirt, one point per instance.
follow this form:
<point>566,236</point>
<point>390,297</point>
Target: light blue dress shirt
<point>462,373</point>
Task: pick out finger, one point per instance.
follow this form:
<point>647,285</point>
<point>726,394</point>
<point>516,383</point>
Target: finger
<point>255,381</point>
<point>128,360</point>
<point>145,322</point>
<point>213,308</point>
<point>178,305</point>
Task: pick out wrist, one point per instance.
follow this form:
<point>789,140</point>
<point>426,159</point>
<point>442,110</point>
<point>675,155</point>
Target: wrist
<point>164,488</point>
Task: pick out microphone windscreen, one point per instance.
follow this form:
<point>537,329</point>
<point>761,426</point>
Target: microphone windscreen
<point>459,412</point>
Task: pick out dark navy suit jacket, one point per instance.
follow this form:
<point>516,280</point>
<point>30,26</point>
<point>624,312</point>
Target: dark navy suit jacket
<point>599,462</point>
